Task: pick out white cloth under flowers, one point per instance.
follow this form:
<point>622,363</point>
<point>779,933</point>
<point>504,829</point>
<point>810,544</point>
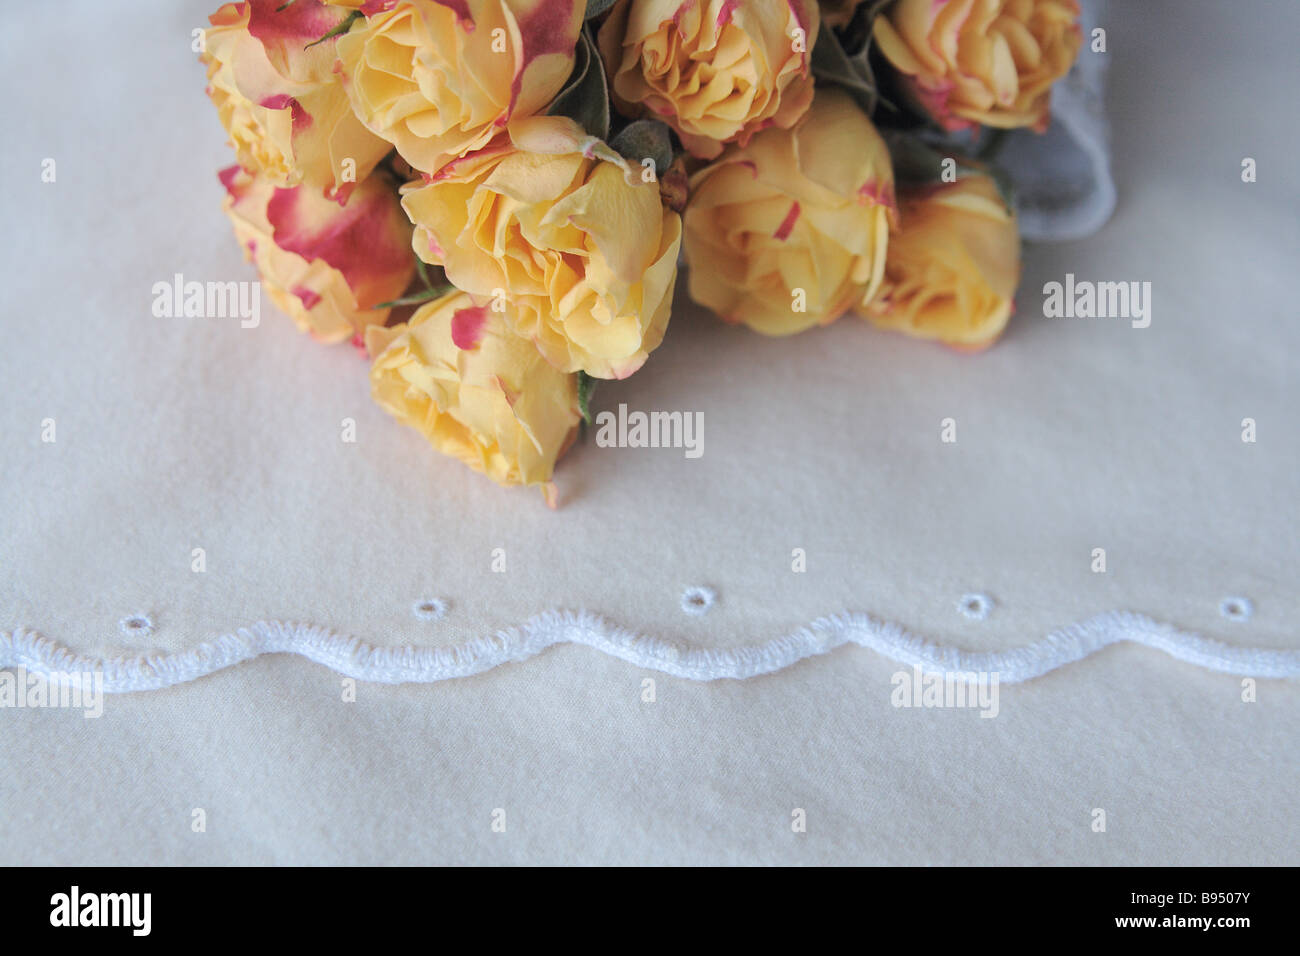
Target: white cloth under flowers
<point>179,434</point>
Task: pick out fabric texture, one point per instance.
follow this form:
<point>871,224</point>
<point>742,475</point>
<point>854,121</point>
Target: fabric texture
<point>823,451</point>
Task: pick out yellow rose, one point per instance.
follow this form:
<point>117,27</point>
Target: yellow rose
<point>981,61</point>
<point>953,265</point>
<point>565,228</point>
<point>475,390</point>
<point>791,231</point>
<point>717,71</point>
<point>324,264</point>
<point>283,107</point>
<point>439,78</point>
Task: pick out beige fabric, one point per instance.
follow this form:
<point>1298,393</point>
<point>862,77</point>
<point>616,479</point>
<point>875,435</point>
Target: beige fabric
<point>174,434</point>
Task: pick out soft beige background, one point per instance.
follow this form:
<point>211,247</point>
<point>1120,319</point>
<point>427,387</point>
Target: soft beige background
<point>183,433</point>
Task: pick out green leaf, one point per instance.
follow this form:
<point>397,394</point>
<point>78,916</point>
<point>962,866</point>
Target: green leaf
<point>843,57</point>
<point>918,162</point>
<point>416,297</point>
<point>423,269</point>
<point>831,64</point>
<point>596,7</point>
<point>343,26</point>
<point>1006,187</point>
<point>585,97</point>
<point>586,388</point>
<point>915,161</point>
<point>646,138</point>
<point>993,141</point>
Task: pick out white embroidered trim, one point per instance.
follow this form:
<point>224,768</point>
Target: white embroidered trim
<point>396,665</point>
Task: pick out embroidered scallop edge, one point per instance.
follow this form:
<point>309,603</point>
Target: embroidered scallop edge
<point>408,664</point>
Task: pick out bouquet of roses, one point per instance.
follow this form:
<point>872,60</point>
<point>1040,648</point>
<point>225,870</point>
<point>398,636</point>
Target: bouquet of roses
<point>526,174</point>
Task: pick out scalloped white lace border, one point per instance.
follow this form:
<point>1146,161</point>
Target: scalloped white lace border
<point>409,664</point>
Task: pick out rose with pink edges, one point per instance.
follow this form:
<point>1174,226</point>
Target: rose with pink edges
<point>327,266</point>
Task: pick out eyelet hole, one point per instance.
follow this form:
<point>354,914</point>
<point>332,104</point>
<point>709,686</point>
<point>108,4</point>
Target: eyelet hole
<point>1236,608</point>
<point>698,600</point>
<point>429,609</point>
<point>976,607</point>
<point>136,625</point>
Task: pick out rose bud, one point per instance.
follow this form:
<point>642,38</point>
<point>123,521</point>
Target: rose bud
<point>440,79</point>
<point>478,392</point>
<point>790,231</point>
<point>324,264</point>
<point>717,71</point>
<point>283,106</point>
<point>992,62</point>
<point>953,265</point>
<point>566,229</point>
